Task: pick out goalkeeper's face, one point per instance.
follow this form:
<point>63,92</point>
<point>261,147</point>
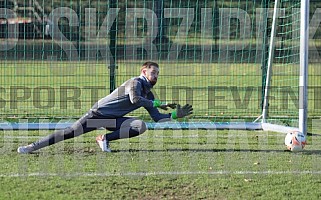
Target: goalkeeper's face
<point>151,74</point>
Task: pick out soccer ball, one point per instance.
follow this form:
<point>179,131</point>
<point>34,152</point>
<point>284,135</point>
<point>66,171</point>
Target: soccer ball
<point>295,141</point>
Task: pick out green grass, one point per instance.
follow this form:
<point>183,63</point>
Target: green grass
<point>162,165</point>
<point>158,164</point>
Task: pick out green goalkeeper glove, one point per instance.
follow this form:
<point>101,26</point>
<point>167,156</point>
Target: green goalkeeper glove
<point>182,111</point>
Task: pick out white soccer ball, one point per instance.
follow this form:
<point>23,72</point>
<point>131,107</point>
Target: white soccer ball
<point>295,141</point>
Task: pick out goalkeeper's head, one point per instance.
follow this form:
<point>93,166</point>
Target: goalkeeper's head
<point>150,70</point>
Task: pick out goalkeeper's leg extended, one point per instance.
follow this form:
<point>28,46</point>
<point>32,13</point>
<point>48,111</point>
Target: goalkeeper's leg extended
<point>85,124</point>
<point>122,128</point>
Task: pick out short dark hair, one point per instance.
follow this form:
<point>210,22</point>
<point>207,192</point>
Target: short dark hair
<point>149,64</point>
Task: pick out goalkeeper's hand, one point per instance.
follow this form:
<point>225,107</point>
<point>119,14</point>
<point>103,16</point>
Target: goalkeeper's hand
<point>162,105</point>
<point>182,111</point>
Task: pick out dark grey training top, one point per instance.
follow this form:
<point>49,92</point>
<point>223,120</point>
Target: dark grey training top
<point>131,95</point>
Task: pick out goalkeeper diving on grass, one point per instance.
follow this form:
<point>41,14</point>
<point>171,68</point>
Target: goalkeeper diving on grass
<point>109,113</point>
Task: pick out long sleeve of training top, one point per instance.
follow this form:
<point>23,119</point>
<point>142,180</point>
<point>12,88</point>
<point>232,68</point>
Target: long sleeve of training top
<point>131,95</point>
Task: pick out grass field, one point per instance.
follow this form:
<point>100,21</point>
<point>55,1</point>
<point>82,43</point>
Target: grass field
<point>185,164</point>
<point>190,164</point>
<point>160,164</point>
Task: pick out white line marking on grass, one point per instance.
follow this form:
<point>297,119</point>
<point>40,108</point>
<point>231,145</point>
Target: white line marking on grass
<point>160,173</point>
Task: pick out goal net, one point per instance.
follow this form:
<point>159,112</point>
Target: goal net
<point>237,62</point>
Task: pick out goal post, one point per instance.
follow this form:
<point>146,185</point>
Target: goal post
<point>298,12</point>
<point>304,60</point>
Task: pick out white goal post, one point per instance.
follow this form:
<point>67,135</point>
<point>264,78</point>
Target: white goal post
<point>303,74</point>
